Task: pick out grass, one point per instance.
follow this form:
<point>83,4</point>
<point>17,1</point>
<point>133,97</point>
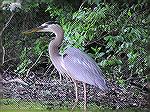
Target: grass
<point>13,105</point>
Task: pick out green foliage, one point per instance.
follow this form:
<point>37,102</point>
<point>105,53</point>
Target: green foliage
<point>40,45</point>
<point>89,23</point>
<point>93,1</point>
<point>96,53</point>
<point>83,25</point>
<point>25,61</point>
<point>15,105</point>
<point>122,27</point>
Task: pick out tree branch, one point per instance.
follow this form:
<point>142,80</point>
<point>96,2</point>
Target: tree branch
<point>2,50</point>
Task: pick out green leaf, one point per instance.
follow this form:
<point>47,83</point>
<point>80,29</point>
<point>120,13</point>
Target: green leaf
<point>129,13</point>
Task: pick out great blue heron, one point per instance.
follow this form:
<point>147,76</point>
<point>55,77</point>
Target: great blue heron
<point>75,63</point>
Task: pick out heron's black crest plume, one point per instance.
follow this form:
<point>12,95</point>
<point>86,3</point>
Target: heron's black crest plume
<point>52,22</point>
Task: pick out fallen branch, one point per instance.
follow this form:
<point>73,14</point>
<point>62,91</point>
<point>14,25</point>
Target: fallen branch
<point>15,80</point>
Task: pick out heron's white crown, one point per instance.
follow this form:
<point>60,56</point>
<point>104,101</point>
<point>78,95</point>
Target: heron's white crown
<point>46,27</point>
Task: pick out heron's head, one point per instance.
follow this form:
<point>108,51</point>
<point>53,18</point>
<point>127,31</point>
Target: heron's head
<point>45,27</point>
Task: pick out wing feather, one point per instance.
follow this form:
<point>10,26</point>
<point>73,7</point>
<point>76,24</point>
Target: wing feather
<point>83,68</point>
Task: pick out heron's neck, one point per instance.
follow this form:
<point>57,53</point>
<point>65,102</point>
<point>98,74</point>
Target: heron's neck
<point>54,44</point>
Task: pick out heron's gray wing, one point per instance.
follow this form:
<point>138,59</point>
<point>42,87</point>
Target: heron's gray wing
<point>83,68</point>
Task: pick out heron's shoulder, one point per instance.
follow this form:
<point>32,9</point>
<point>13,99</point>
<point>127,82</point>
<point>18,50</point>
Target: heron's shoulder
<point>72,49</point>
<point>78,54</point>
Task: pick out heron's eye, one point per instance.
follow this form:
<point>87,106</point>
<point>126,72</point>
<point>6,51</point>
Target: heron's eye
<point>51,22</point>
<point>52,38</point>
<point>46,26</point>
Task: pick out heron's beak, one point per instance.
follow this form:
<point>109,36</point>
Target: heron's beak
<point>33,30</point>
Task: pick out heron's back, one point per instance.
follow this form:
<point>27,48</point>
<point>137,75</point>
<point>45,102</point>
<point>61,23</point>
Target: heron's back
<point>83,68</point>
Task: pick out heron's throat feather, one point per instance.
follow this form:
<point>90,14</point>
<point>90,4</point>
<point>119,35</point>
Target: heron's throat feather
<point>55,43</point>
<point>54,46</point>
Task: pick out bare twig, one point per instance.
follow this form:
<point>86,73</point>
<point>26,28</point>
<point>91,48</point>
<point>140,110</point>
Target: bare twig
<point>15,80</point>
<point>47,70</point>
<point>6,25</point>
<point>10,60</point>
<point>34,63</point>
<point>7,69</point>
<point>81,5</point>
<point>94,41</point>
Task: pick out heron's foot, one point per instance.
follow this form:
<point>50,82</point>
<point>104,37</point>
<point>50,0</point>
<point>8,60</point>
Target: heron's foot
<point>75,104</point>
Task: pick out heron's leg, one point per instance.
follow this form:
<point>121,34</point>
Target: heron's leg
<point>60,77</point>
<point>85,101</point>
<point>76,90</point>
